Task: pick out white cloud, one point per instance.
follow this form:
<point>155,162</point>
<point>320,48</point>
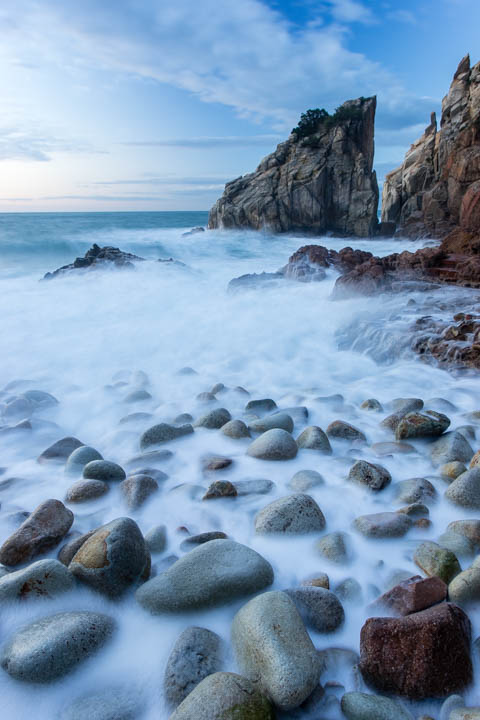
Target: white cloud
<point>351,11</point>
<point>31,145</point>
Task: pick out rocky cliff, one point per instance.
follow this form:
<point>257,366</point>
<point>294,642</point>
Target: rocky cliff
<point>437,188</point>
<point>315,184</point>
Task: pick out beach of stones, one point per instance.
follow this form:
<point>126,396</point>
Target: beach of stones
<point>240,557</point>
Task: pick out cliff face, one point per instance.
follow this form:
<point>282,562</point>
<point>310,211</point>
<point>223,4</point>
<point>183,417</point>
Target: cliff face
<point>437,188</point>
<point>313,185</point>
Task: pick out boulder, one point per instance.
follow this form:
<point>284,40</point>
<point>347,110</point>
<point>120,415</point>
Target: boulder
<point>84,490</point>
<point>464,589</point>
<point>79,458</point>
<point>212,574</point>
<point>220,489</point>
<point>294,514</point>
<point>156,539</point>
<point>44,578</point>
<point>67,551</point>
<point>273,649</point>
<point>419,425</point>
<point>117,703</point>
<point>136,489</point>
<point>304,480</point>
<point>345,431</point>
<point>275,444</point>
<point>111,559</point>
<point>51,647</point>
<point>414,594</point>
<point>60,450</point>
<point>334,547</point>
<point>269,422</point>
<point>97,258</point>
<point>415,490</point>
<point>383,525</point>
<point>318,607</point>
<point>163,433</point>
<point>407,656</point>
<point>263,405</point>
<point>214,420</point>
<point>364,706</point>
<point>104,470</point>
<point>437,561</point>
<point>235,429</point>
<point>313,438</point>
<point>453,446</point>
<point>196,654</point>
<point>225,695</point>
<point>253,486</point>
<point>40,532</point>
<point>373,476</point>
<point>465,490</point>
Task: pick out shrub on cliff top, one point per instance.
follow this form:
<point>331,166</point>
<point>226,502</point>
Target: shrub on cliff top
<point>311,120</point>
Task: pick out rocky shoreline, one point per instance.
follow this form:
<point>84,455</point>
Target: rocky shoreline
<point>279,635</point>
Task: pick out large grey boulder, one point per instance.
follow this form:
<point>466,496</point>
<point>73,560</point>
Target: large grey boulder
<point>294,514</point>
<point>44,578</point>
<point>465,490</point>
<point>60,450</point>
<point>373,476</point>
<point>364,706</point>
<point>225,696</point>
<point>414,490</point>
<point>196,654</point>
<point>80,457</point>
<point>104,470</point>
<point>136,489</point>
<point>162,433</point>
<point>214,420</point>
<point>319,608</point>
<point>212,574</point>
<point>453,446</point>
<point>274,650</point>
<point>111,559</point>
<point>275,444</point>
<point>383,525</point>
<point>421,424</point>
<point>53,646</point>
<point>269,422</point>
<point>313,438</point>
<point>40,532</point>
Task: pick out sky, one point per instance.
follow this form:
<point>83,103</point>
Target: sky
<point>155,104</point>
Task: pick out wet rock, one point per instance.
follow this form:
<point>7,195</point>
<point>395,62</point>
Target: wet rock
<point>220,489</point>
<point>269,422</point>
<point>413,595</point>
<point>136,489</point>
<point>214,420</point>
<point>163,433</point>
<point>406,656</point>
<point>414,510</point>
<point>464,589</point>
<point>149,458</point>
<point>465,490</point>
<point>452,470</point>
<point>304,480</point>
<point>253,486</point>
<point>274,650</point>
<point>111,704</point>
<point>85,490</point>
<point>364,706</point>
<point>206,398</point>
<point>435,560</point>
<point>392,448</point>
<point>373,476</point>
<point>317,580</point>
<point>372,404</point>
<point>111,559</point>
<point>44,578</point>
<point>212,463</point>
<point>294,514</point>
<point>405,405</point>
<point>383,525</point>
<point>468,529</point>
<point>104,470</point>
<point>225,695</point>
<point>40,532</point>
<point>195,540</point>
<point>419,425</point>
<point>79,458</point>
<point>264,405</point>
<point>196,654</point>
<point>53,646</point>
<point>345,431</point>
<point>415,490</point>
<point>183,419</point>
<point>156,539</point>
<point>210,575</point>
<point>235,429</point>
<point>313,438</point>
<point>334,547</point>
<point>67,551</point>
<point>319,608</point>
<point>97,257</point>
<point>60,450</point>
<point>453,446</point>
<point>274,444</point>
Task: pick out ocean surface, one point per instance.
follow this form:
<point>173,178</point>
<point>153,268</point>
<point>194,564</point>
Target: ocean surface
<point>82,336</point>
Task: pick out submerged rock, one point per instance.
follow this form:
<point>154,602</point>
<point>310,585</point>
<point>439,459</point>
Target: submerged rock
<point>136,489</point>
<point>318,607</point>
<point>419,425</point>
<point>277,420</point>
<point>373,476</point>
<point>214,420</point>
<point>345,431</point>
<point>53,646</point>
<point>80,457</point>
<point>60,450</point>
<point>383,525</point>
<point>294,514</point>
<point>364,706</point>
<point>313,438</point>
<point>44,578</point>
<point>210,575</point>
<point>465,490</point>
<point>235,429</point>
<point>274,444</point>
<point>97,257</point>
<point>435,560</point>
<point>104,470</point>
<point>453,446</point>
<point>110,704</point>
<point>162,433</point>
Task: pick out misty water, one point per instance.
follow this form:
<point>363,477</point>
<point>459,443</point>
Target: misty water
<point>82,336</point>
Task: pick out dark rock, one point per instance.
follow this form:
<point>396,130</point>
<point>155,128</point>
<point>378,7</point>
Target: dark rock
<point>418,425</point>
<point>375,477</point>
<point>212,463</point>
<point>319,608</point>
<point>59,451</point>
<point>67,551</point>
<point>345,431</point>
<point>407,656</point>
<point>220,489</point>
<point>95,258</point>
<point>214,420</point>
<point>313,438</point>
<point>136,489</point>
<point>414,594</point>
<point>40,532</point>
<point>85,490</point>
<point>162,433</point>
<point>263,406</point>
<point>104,470</point>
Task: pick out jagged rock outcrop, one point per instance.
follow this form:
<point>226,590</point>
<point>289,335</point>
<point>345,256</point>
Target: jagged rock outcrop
<point>97,257</point>
<point>437,188</point>
<point>318,184</point>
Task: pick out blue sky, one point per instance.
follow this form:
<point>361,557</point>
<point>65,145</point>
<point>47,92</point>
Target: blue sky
<point>154,104</point>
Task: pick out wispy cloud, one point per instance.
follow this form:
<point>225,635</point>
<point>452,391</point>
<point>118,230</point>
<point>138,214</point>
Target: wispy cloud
<point>351,11</point>
<point>209,142</point>
<point>210,181</point>
<point>28,145</point>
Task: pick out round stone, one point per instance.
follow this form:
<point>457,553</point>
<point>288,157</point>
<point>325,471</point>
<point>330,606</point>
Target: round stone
<point>214,420</point>
<point>465,490</point>
<point>44,578</point>
<point>80,457</point>
<point>305,480</point>
<point>156,539</point>
<point>277,420</point>
<point>334,547</point>
<point>84,490</point>
<point>319,608</point>
<point>103,470</point>
<point>373,476</point>
<point>294,515</point>
<point>383,525</point>
<point>313,438</point>
<point>275,444</point>
<point>196,654</point>
<point>235,429</point>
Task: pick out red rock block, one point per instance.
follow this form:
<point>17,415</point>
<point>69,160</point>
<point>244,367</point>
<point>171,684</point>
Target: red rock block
<point>414,594</point>
<point>423,655</point>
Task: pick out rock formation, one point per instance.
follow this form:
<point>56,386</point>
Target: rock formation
<point>437,188</point>
<point>316,184</point>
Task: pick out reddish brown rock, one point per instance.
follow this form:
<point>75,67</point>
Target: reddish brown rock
<point>40,532</point>
<point>423,655</point>
<point>219,489</point>
<point>414,594</point>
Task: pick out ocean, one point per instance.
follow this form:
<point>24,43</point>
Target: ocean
<point>83,336</point>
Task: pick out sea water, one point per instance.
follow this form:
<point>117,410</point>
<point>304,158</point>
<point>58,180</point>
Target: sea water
<point>78,334</point>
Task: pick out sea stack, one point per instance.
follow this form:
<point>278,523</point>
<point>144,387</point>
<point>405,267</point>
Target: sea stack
<point>437,187</point>
<point>313,183</point>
